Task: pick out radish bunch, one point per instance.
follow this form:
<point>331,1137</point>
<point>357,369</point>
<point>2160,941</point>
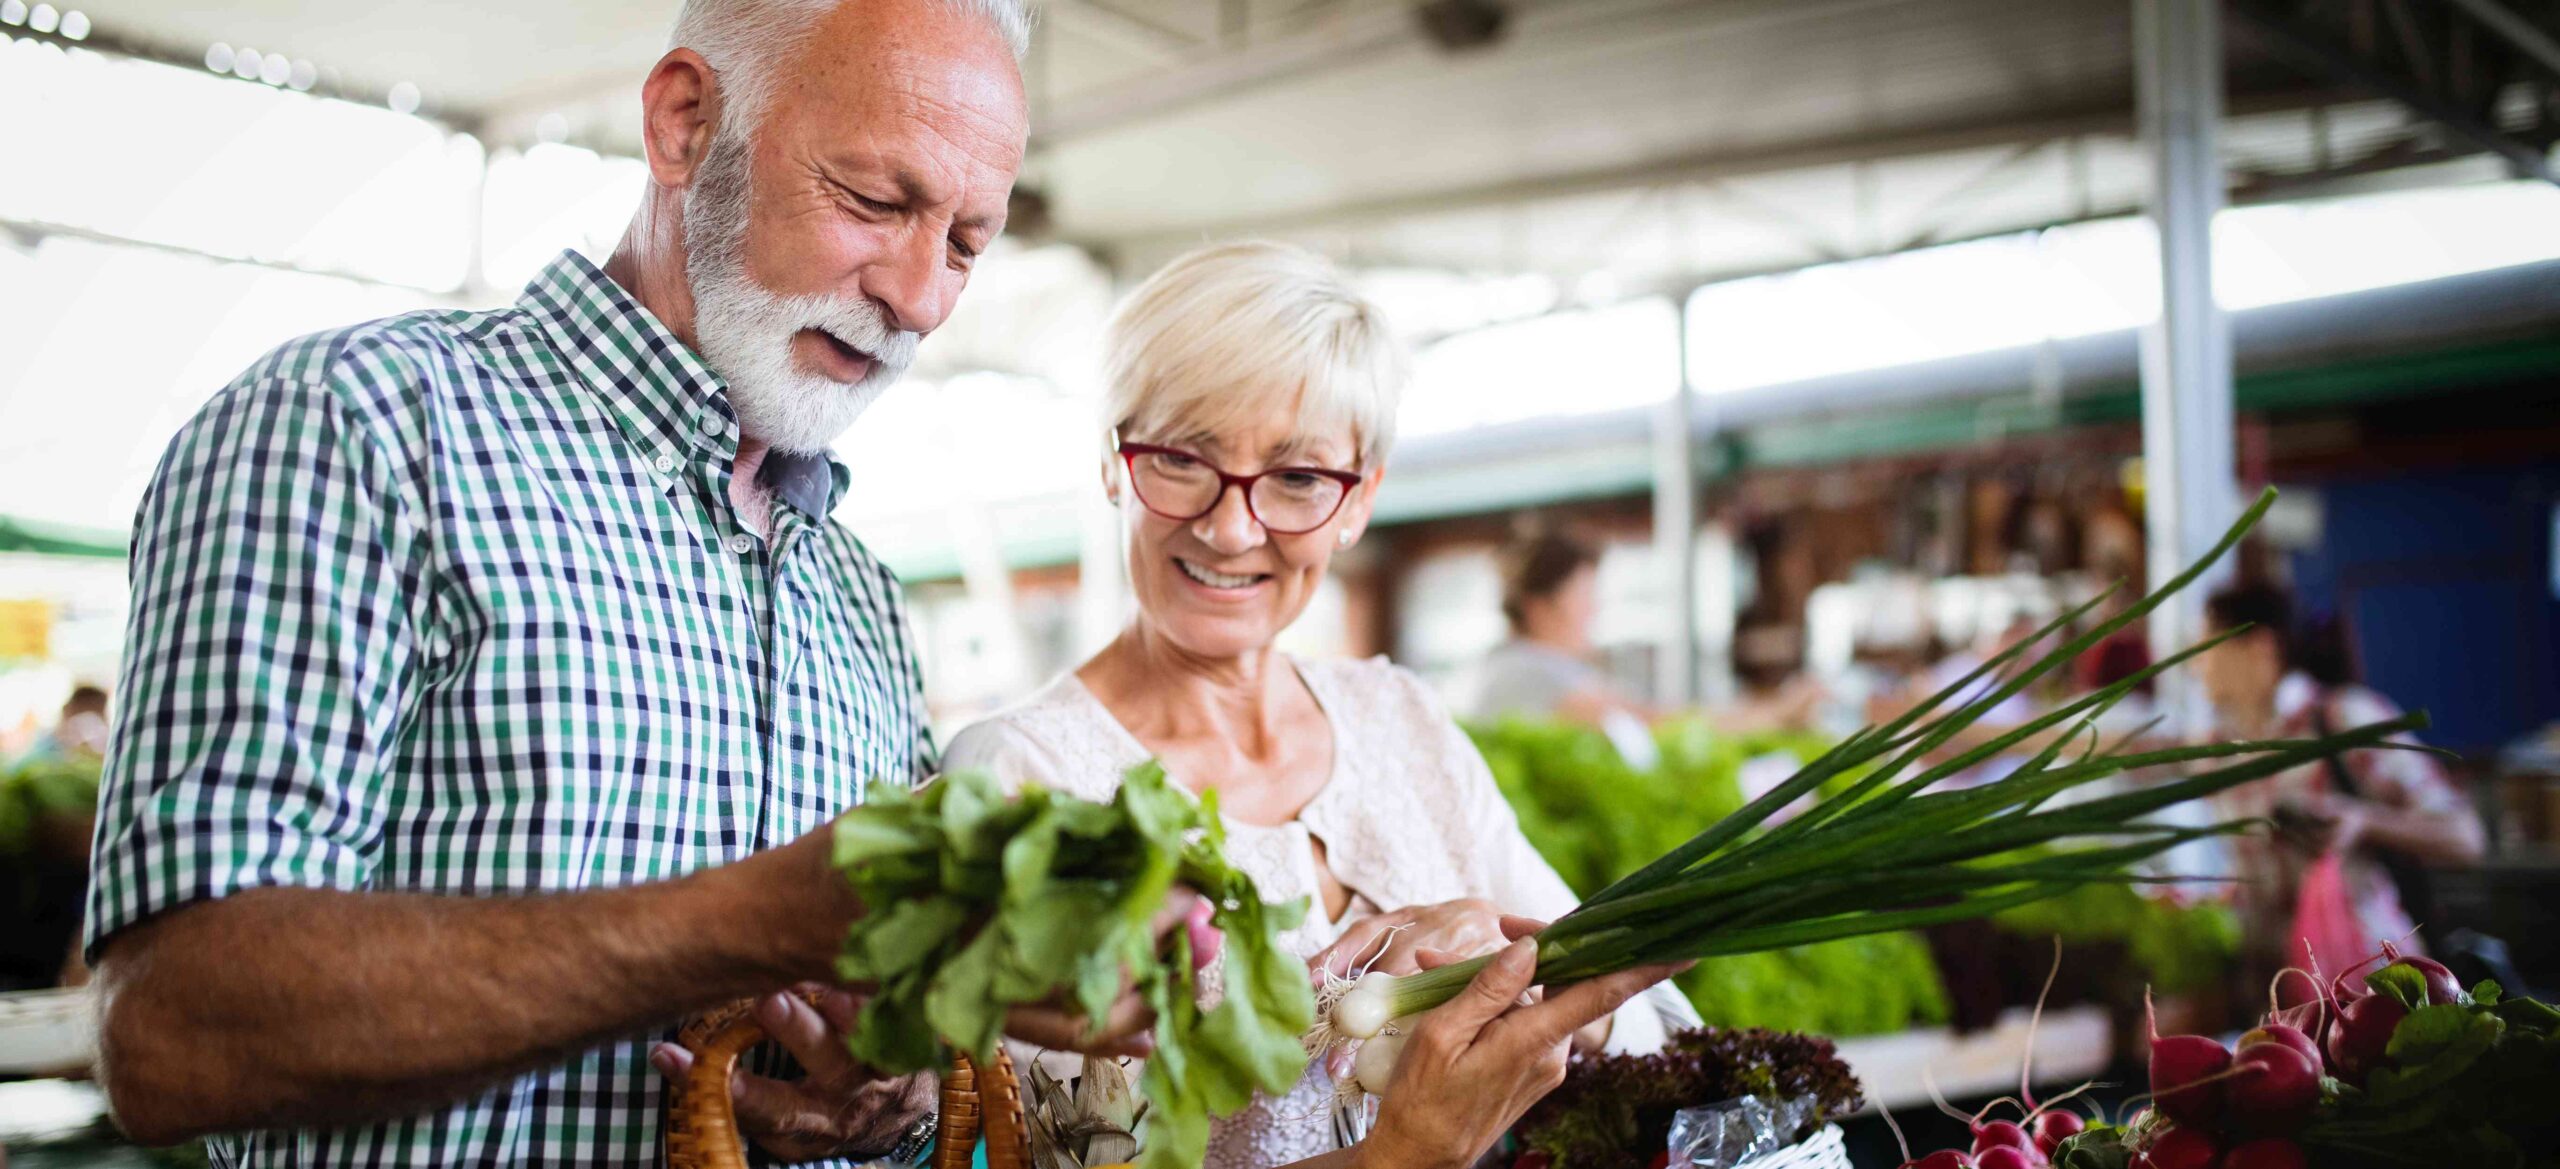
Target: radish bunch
<point>2003,1144</point>
<point>2242,1107</point>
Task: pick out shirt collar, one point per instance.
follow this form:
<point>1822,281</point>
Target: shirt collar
<point>669,404</point>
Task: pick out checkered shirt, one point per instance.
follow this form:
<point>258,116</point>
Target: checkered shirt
<point>456,603</point>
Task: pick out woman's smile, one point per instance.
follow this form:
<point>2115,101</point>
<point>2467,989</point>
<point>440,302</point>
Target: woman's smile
<point>1221,584</point>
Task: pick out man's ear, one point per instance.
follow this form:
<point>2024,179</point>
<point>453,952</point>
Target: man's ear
<point>679,110</point>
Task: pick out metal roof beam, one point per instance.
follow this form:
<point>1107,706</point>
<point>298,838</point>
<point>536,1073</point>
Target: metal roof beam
<point>2290,35</point>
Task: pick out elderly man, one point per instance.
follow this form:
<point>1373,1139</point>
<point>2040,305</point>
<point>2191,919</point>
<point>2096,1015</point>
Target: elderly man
<point>492,676</point>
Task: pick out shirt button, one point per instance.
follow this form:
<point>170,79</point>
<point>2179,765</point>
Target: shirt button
<point>715,425</point>
<point>742,543</point>
<point>666,464</point>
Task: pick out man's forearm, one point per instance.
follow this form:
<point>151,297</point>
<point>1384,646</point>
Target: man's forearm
<point>306,1006</point>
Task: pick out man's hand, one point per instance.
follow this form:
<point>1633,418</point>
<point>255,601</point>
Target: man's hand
<point>840,1108</point>
<point>1387,942</point>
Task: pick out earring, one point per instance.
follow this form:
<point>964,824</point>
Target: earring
<point>1343,537</point>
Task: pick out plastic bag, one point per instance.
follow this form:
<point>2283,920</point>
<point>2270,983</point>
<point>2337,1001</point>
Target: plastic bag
<point>1735,1132</point>
<point>2327,935</point>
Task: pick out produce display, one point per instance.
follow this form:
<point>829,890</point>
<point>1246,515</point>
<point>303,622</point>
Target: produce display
<point>40,787</point>
<point>1595,818</point>
<point>2411,1070</point>
<point>985,903</point>
<point>2176,947</point>
<point>1617,1110</point>
<point>1884,852</point>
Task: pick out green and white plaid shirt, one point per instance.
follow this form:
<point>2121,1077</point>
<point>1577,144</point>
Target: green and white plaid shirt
<point>457,603</point>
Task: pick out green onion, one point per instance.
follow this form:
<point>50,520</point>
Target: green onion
<point>1887,853</point>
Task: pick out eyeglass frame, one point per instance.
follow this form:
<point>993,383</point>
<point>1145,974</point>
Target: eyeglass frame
<point>1130,451</point>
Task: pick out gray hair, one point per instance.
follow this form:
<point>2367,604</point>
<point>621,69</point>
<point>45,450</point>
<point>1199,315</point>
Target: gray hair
<point>744,39</point>
<point>1229,334</point>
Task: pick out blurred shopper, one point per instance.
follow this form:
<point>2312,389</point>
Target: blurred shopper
<point>1545,669</point>
<point>1250,404</point>
<point>81,732</point>
<point>2378,816</point>
<point>493,677</point>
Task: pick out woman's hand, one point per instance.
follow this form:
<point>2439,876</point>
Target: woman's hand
<point>1389,941</point>
<point>1472,1066</point>
<point>1128,1030</point>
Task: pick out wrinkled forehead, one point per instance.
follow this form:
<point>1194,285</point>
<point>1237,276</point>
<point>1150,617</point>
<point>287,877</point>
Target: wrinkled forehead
<point>942,86</point>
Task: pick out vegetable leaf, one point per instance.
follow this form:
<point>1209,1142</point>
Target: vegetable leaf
<point>982,903</point>
<point>2405,984</point>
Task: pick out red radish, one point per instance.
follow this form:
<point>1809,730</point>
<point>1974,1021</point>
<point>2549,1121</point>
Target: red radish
<point>1942,1159</point>
<point>1534,1159</point>
<point>2267,1154</point>
<point>2360,1039</point>
<point>2007,1157</point>
<point>2442,986</point>
<point>2183,1068</point>
<point>2272,1089</point>
<point>1998,1134</point>
<point>2180,1148</point>
<point>2288,1036</point>
<point>2053,1128</point>
<point>1661,1160</point>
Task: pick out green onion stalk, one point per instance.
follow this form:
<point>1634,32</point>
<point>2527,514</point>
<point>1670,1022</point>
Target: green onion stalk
<point>1887,853</point>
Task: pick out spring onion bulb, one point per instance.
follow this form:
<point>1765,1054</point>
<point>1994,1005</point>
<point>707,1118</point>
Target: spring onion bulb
<point>1375,1064</point>
<point>1882,852</point>
<point>1364,1009</point>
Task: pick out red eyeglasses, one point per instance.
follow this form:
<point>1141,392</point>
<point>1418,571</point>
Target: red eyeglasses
<point>1180,485</point>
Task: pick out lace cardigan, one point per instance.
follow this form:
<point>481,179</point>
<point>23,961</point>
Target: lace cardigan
<point>1409,817</point>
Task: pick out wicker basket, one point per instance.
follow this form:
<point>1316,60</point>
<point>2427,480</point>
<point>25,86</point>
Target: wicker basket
<point>702,1124</point>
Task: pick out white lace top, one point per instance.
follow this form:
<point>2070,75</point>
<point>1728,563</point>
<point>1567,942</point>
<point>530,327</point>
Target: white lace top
<point>1410,817</point>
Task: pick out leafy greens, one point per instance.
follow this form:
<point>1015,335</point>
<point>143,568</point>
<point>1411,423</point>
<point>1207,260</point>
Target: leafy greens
<point>979,903</point>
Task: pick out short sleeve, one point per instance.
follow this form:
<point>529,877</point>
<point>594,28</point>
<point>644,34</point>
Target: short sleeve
<point>996,748</point>
<point>268,659</point>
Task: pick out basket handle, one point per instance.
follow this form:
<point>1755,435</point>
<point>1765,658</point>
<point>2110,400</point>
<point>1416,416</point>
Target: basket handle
<point>702,1122</point>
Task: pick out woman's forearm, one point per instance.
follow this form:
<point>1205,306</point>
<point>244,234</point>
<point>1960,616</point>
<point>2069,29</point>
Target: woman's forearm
<point>312,1006</point>
<point>2449,838</point>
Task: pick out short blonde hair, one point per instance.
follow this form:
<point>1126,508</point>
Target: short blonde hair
<point>1223,334</point>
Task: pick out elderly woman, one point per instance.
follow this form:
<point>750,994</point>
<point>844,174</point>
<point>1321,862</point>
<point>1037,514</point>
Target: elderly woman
<point>1250,405</point>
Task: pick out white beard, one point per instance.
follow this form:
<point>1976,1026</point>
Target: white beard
<point>745,330</point>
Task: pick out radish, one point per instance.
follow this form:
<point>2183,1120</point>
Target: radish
<point>2280,1033</point>
<point>2361,1038</point>
<point>1943,1159</point>
<point>2006,1157</point>
<point>2267,1154</point>
<point>2273,1088</point>
<point>2183,1071</point>
<point>2180,1148</point>
<point>2183,1084</point>
<point>2053,1128</point>
<point>2442,986</point>
<point>1998,1134</point>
